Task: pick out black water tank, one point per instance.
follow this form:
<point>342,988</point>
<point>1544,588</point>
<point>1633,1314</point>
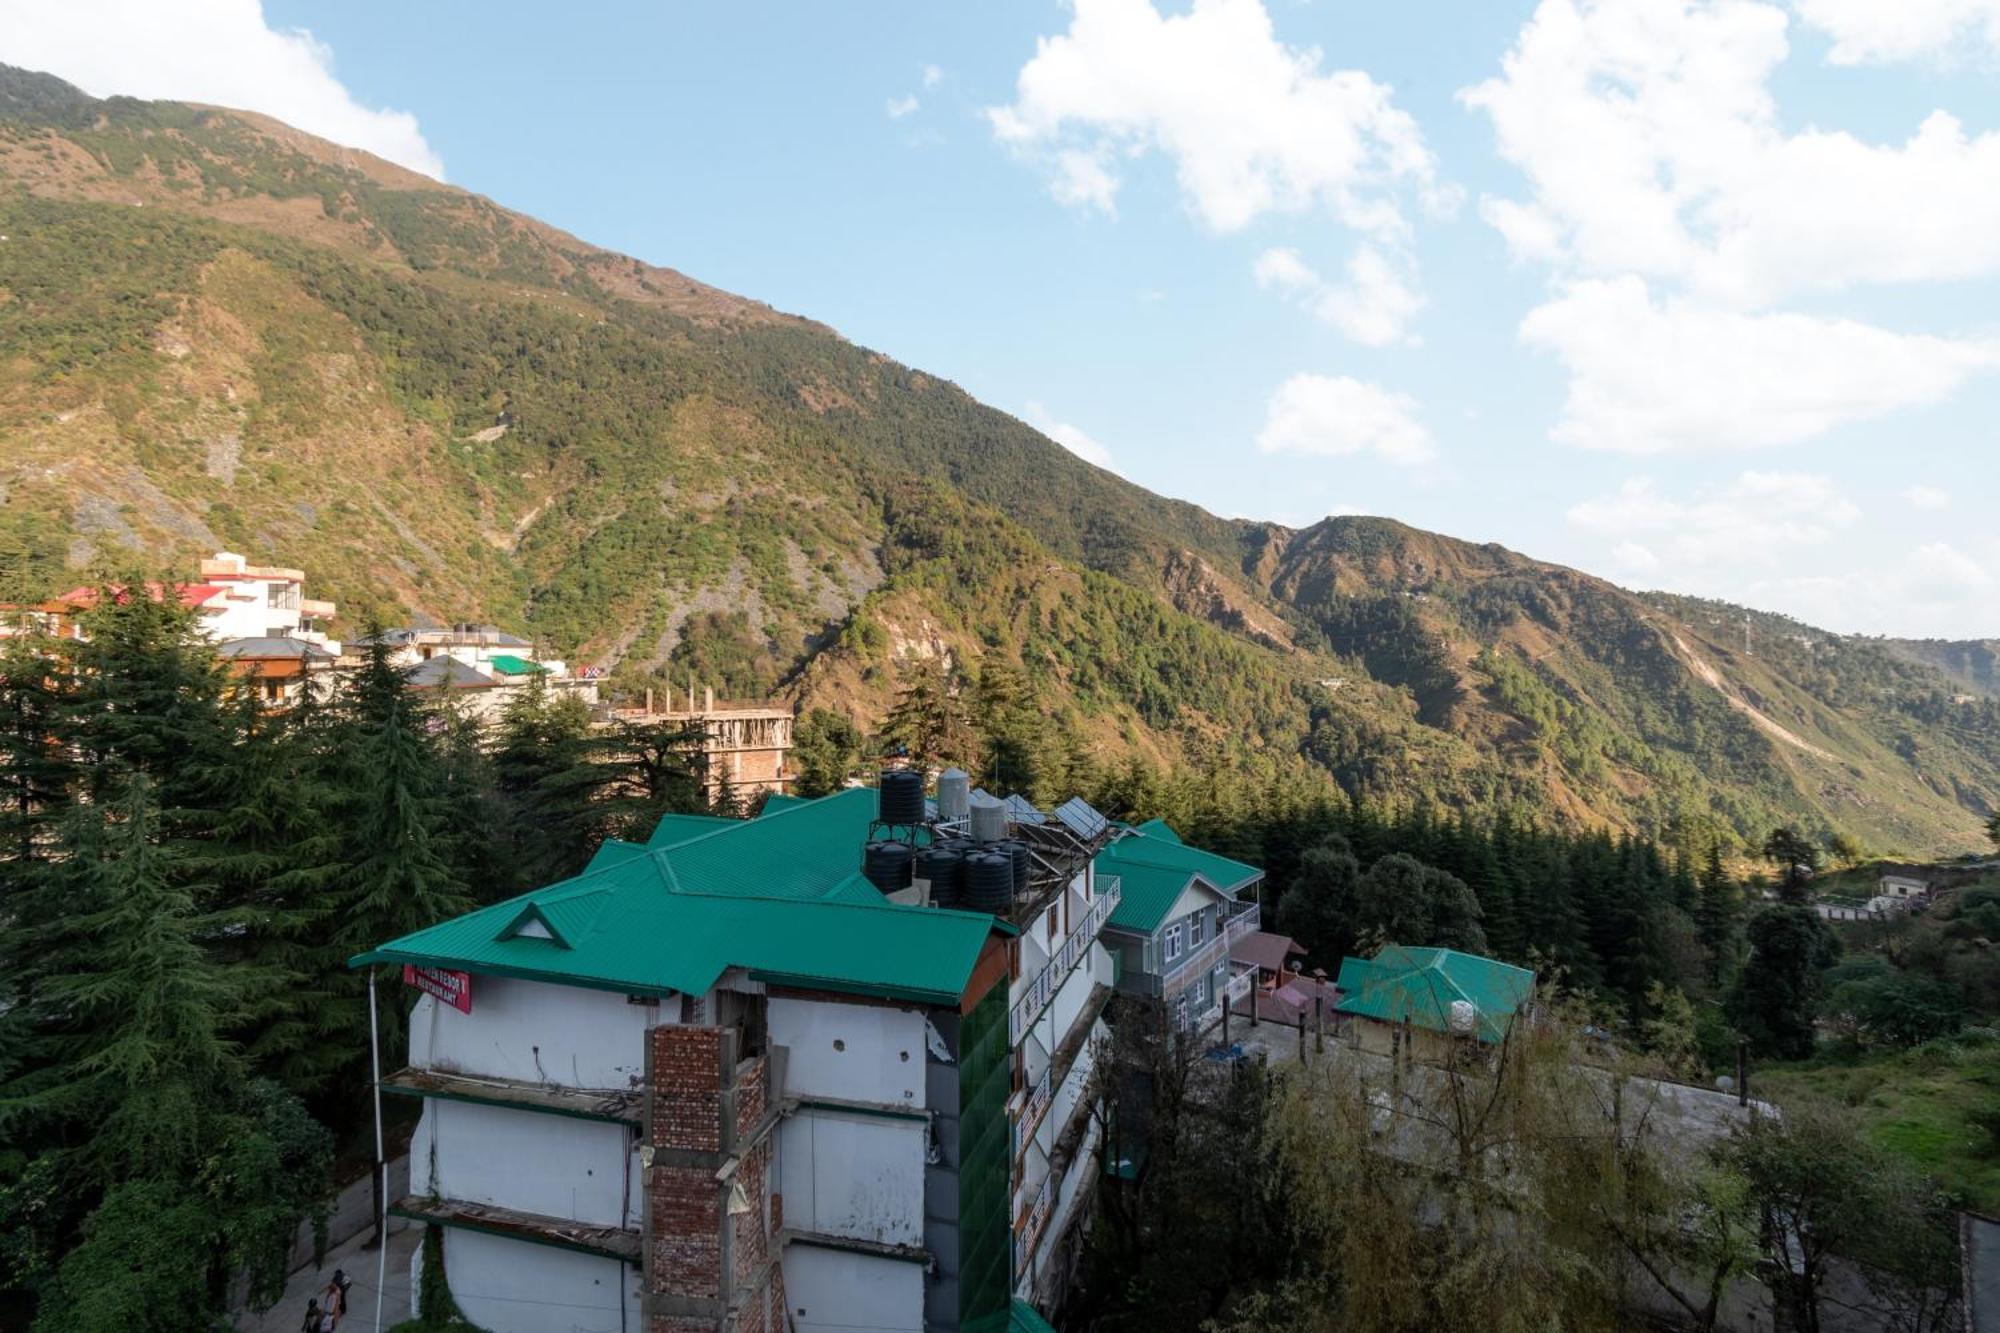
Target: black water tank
<point>887,865</point>
<point>1017,853</point>
<point>902,796</point>
<point>943,868</point>
<point>989,882</point>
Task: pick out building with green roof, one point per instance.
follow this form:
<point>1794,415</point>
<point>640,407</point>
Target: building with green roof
<point>722,1069</point>
<point>1180,910</point>
<point>1431,993</point>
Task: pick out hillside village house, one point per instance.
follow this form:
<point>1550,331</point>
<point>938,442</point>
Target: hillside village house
<point>727,1080</point>
<point>1179,915</point>
<point>1420,1003</point>
<point>480,667</point>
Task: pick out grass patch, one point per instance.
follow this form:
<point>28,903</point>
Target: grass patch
<point>1929,1105</point>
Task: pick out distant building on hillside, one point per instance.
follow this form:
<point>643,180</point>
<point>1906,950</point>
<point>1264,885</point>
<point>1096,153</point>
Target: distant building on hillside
<point>232,600</point>
<point>277,669</point>
<point>480,667</point>
<point>745,749</point>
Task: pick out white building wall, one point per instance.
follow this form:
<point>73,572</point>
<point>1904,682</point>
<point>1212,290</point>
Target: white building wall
<point>837,1291</point>
<point>512,1286</point>
<point>537,1032</point>
<point>856,1176</point>
<point>850,1052</point>
<point>530,1161</point>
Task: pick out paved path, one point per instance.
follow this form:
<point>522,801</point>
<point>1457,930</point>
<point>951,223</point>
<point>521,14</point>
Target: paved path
<point>359,1261</point>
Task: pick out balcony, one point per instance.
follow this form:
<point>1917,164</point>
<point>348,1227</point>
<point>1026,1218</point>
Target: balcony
<point>1072,951</point>
<point>1197,961</point>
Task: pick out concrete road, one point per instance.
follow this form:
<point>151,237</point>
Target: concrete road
<point>307,1283</point>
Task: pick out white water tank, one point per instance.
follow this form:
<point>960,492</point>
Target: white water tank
<point>954,794</point>
<point>1464,1017</point>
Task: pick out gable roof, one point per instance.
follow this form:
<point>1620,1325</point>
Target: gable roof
<point>1421,985</point>
<point>779,896</point>
<point>447,673</point>
<point>680,828</point>
<point>1154,868</point>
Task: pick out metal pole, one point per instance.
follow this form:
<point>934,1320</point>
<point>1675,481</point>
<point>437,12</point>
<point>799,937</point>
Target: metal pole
<point>381,1162</point>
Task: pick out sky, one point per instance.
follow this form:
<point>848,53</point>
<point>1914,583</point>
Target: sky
<point>1693,294</point>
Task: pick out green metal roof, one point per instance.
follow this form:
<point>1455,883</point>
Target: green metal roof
<point>780,800</point>
<point>1421,984</point>
<point>1154,867</point>
<point>779,896</point>
<point>509,665</point>
<point>680,828</point>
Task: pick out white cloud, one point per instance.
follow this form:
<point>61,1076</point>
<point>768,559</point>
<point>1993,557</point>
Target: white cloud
<point>1872,31</point>
<point>1653,145</point>
<point>933,76</point>
<point>1652,377</point>
<point>1936,589</point>
<point>898,107</point>
<point>1751,520</point>
<point>221,52</point>
<point>1253,126</point>
<point>1334,416</point>
<point>1927,497</point>
<point>1373,307</point>
<point>1072,438</point>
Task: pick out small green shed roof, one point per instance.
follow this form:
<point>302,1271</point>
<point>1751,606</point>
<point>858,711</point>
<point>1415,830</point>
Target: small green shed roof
<point>779,896</point>
<point>1420,985</point>
<point>509,665</point>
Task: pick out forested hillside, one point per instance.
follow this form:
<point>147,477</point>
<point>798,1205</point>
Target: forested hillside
<point>218,332</point>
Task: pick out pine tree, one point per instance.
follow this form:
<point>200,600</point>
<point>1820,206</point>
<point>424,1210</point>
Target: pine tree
<point>38,772</point>
<point>656,768</point>
<point>930,721</point>
<point>398,862</point>
<point>549,781</point>
<point>119,1047</point>
<point>1718,911</point>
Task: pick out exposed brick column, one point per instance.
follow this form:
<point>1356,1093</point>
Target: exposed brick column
<point>708,1268</point>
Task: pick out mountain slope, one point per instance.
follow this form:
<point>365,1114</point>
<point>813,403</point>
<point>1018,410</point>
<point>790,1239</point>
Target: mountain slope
<point>217,331</point>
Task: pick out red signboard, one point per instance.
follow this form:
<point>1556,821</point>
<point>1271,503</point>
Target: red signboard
<point>454,988</point>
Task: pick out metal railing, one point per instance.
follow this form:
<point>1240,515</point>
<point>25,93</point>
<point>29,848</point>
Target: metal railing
<point>1228,930</point>
<point>1073,950</point>
<point>1028,1231</point>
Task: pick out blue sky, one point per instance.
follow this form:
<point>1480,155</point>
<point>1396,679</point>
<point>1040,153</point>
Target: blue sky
<point>1691,295</point>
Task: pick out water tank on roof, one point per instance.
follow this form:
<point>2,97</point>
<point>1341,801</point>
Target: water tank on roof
<point>989,882</point>
<point>902,796</point>
<point>989,821</point>
<point>941,868</point>
<point>1017,853</point>
<point>887,865</point>
<point>1464,1017</point>
<point>954,794</point>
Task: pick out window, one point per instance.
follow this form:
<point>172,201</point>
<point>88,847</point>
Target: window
<point>1194,930</point>
<point>1173,942</point>
<point>1181,1010</point>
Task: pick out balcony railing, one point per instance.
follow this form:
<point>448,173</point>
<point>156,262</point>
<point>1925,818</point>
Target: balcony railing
<point>1028,1231</point>
<point>1227,932</point>
<point>1073,950</point>
<point>1249,917</point>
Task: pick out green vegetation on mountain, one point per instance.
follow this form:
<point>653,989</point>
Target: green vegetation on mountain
<point>218,332</point>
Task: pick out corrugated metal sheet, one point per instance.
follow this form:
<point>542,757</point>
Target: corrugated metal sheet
<point>1420,985</point>
<point>1156,867</point>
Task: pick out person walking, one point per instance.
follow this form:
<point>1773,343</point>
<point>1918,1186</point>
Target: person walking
<point>315,1321</point>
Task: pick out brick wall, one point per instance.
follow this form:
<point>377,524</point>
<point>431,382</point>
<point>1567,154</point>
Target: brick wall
<point>699,1119</point>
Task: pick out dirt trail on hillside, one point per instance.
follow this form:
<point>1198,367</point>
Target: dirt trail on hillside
<point>1770,726</point>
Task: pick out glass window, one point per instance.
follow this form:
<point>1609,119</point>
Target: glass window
<point>1194,929</point>
<point>1173,942</point>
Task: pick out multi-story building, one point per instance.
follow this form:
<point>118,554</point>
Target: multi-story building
<point>726,1080</point>
<point>233,600</point>
<point>480,667</point>
<point>1181,911</point>
<point>744,747</point>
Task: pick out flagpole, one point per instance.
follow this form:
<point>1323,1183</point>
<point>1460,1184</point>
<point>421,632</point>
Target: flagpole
<point>381,1164</point>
